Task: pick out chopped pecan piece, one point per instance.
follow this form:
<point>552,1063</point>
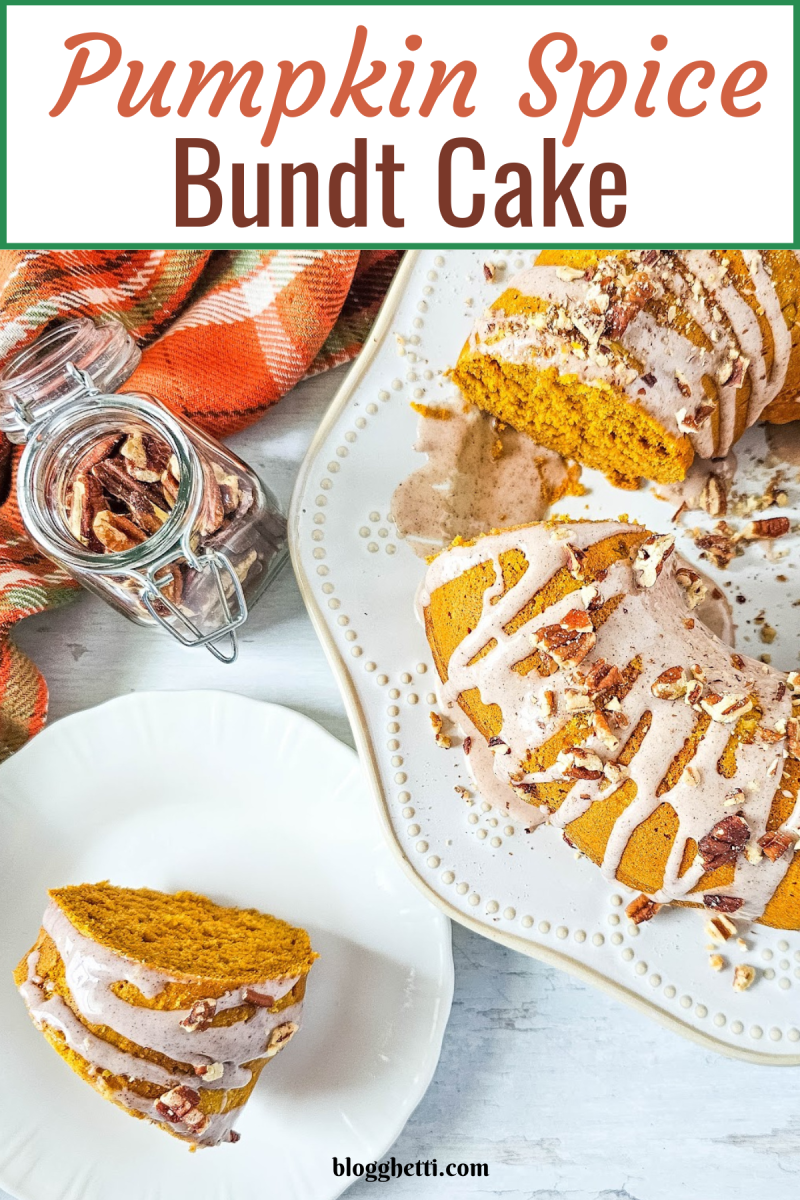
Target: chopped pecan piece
<point>146,457</point>
<point>724,844</point>
<point>691,422</point>
<point>602,728</point>
<point>720,927</point>
<point>498,745</point>
<point>776,844</point>
<point>577,763</point>
<point>575,559</point>
<point>615,772</point>
<point>793,737</point>
<point>229,489</point>
<point>261,999</point>
<point>437,723</point>
<point>714,496</point>
<point>671,684</point>
<point>177,1104</point>
<point>601,677</point>
<point>743,977</point>
<point>577,620</point>
<point>719,547</point>
<point>650,557</point>
<point>196,1121</point>
<point>692,584</point>
<point>728,708</point>
<point>280,1037</point>
<point>569,642</point>
<point>466,745</point>
<point>725,904</point>
<point>640,288</point>
<point>642,909</point>
<point>210,1073</point>
<point>200,1015</point>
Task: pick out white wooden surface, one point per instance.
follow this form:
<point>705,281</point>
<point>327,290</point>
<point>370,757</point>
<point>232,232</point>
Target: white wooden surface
<point>563,1092</point>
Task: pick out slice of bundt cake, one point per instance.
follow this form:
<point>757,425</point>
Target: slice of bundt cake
<point>169,1005</point>
<point>593,697</point>
<point>634,361</point>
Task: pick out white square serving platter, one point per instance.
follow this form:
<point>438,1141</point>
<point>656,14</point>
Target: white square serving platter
<point>359,579</point>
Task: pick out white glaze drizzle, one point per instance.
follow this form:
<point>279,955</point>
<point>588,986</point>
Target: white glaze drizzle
<point>649,623</point>
<point>707,295</point>
<point>90,969</point>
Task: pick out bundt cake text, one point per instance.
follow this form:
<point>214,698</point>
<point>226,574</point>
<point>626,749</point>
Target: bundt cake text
<point>281,93</point>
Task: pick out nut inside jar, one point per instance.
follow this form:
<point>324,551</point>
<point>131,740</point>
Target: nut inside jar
<point>122,489</point>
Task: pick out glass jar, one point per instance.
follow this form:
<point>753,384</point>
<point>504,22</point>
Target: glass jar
<point>136,503</point>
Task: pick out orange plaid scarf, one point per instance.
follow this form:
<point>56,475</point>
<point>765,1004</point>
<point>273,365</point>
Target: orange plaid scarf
<point>225,334</point>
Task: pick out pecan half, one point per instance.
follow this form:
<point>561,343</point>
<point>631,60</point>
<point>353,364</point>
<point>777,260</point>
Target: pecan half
<point>723,845</point>
<point>212,510</point>
<point>768,528</point>
<point>115,532</point>
<point>143,503</point>
<point>85,503</point>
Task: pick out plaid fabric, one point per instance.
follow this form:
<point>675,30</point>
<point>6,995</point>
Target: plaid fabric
<point>225,334</point>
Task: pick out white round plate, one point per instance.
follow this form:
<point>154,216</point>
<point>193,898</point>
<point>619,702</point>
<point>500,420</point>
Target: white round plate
<point>359,580</point>
<point>255,806</point>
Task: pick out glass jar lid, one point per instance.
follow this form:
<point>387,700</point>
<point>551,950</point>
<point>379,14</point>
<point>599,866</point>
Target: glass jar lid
<point>36,380</point>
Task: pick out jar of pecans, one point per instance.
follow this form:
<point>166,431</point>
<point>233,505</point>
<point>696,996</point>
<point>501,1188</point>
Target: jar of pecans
<point>136,503</point>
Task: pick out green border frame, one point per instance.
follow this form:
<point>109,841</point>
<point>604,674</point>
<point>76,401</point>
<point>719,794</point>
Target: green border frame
<point>459,245</point>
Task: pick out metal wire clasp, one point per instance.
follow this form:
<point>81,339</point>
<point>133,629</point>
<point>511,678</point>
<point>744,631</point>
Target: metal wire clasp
<point>183,628</point>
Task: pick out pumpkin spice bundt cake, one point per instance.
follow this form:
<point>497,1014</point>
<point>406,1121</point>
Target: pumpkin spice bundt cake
<point>169,1005</point>
<point>592,697</point>
<point>635,361</point>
